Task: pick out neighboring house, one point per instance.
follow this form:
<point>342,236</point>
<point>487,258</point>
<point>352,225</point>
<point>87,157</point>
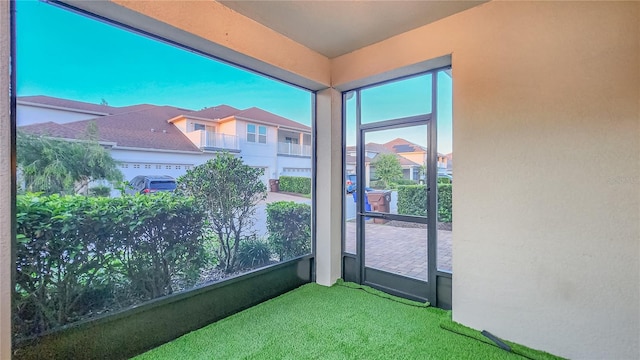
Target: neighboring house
<point>372,150</point>
<point>166,140</point>
<point>410,156</point>
<point>417,154</point>
<point>279,145</point>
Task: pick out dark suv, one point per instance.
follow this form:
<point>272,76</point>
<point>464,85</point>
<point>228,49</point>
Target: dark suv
<point>145,184</point>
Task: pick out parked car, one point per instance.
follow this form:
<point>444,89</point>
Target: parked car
<point>350,183</point>
<point>145,184</point>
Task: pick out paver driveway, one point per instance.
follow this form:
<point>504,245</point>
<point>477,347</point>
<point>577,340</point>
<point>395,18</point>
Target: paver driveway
<point>400,250</point>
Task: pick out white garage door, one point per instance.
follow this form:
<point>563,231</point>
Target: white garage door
<point>301,172</point>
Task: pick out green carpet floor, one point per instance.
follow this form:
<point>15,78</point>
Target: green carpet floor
<point>340,322</point>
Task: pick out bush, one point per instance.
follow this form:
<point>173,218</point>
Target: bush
<point>444,180</point>
<point>295,184</point>
<point>412,200</point>
<point>253,253</point>
<point>101,190</point>
<point>229,190</point>
<point>400,182</point>
<point>289,226</point>
<point>444,203</point>
<point>79,256</point>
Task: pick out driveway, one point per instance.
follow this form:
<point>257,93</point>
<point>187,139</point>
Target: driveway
<point>399,249</point>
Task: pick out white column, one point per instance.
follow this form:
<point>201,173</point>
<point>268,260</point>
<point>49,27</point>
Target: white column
<point>5,186</point>
<point>329,187</point>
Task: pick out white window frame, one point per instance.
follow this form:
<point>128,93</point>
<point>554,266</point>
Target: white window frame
<point>258,137</point>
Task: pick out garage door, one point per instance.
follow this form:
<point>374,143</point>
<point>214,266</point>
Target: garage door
<point>301,172</point>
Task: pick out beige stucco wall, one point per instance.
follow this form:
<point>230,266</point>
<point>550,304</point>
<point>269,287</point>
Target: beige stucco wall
<point>5,187</point>
<point>547,192</point>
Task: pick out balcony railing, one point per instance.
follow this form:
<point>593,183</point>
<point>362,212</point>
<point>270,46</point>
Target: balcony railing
<point>213,140</point>
<point>222,141</point>
<point>293,149</point>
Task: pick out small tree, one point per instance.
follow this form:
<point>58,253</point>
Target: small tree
<point>388,168</point>
<point>61,166</point>
<point>229,191</point>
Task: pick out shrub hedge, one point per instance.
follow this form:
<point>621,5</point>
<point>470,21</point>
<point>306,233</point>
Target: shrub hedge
<point>79,256</point>
<point>295,184</point>
<point>412,200</point>
<point>289,225</point>
<point>444,203</point>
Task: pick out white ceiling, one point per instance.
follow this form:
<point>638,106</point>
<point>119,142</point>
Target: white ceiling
<point>334,28</point>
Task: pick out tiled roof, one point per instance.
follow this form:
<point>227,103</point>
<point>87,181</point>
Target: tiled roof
<point>146,128</point>
<point>264,116</point>
<point>124,109</point>
<point>51,129</point>
<point>215,112</point>
<point>380,149</point>
<point>400,145</point>
<point>80,105</point>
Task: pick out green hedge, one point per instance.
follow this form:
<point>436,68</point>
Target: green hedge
<point>78,256</point>
<point>289,225</point>
<point>444,203</point>
<point>412,200</point>
<point>295,184</point>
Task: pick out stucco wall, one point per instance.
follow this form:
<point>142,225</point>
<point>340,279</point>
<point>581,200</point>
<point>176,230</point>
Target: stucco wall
<point>547,191</point>
<point>228,128</point>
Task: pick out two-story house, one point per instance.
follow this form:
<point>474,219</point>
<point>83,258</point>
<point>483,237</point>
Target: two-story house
<point>278,145</point>
<point>166,140</point>
<point>417,154</point>
<point>412,158</point>
<point>372,150</point>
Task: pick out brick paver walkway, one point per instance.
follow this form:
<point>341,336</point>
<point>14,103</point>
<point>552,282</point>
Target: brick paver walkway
<point>400,250</point>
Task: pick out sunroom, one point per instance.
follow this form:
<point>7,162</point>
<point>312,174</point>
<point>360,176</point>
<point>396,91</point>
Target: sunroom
<point>545,122</point>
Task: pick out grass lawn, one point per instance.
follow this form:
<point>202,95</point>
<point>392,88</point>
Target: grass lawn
<point>340,322</point>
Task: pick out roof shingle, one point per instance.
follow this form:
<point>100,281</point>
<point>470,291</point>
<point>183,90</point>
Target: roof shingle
<point>146,128</point>
<point>258,114</point>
